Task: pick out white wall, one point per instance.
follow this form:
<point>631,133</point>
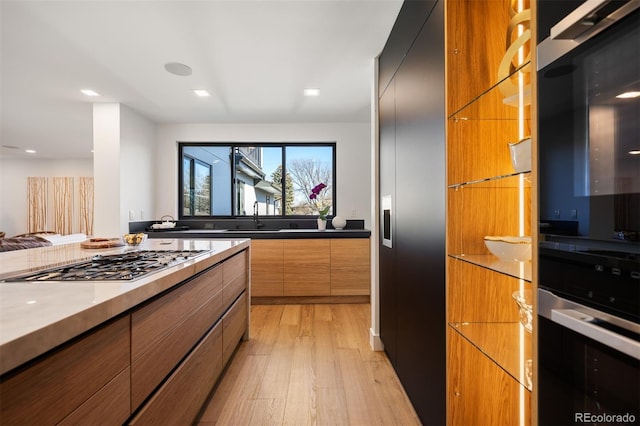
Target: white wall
<point>124,168</point>
<point>13,189</point>
<point>138,167</point>
<point>353,145</point>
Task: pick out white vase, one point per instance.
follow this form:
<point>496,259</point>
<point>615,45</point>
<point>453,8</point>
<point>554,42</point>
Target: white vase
<point>338,222</point>
<point>322,224</point>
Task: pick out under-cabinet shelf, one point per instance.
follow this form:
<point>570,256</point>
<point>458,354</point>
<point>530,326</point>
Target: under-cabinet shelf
<point>507,344</point>
<point>512,268</point>
<point>492,104</point>
<point>512,180</point>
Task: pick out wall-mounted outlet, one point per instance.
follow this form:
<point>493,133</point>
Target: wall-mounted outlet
<point>573,214</point>
<point>556,213</point>
<point>354,212</point>
<point>141,214</point>
<point>131,215</point>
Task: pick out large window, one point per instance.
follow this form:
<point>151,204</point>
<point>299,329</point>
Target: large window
<point>276,179</point>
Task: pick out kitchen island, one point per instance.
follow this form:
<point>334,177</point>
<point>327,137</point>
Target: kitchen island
<point>74,350</point>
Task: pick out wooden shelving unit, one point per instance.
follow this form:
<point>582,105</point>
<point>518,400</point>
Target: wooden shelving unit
<point>489,353</point>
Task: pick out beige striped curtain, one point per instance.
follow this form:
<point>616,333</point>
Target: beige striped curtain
<point>86,205</point>
<point>37,199</point>
<point>63,205</point>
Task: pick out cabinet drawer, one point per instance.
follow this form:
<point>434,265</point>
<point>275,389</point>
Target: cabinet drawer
<point>267,268</point>
<point>110,405</point>
<point>48,390</point>
<point>234,326</point>
<point>164,331</point>
<point>234,277</point>
<point>180,398</point>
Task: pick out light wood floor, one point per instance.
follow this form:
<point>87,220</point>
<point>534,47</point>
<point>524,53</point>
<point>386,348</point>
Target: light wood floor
<point>309,364</point>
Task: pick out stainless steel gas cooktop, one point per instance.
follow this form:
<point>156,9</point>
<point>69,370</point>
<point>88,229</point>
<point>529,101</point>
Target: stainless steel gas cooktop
<point>123,266</point>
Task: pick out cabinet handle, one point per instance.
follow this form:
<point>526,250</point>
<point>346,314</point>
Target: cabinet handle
<point>585,22</point>
<point>584,324</point>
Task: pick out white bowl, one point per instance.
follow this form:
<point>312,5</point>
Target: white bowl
<point>521,155</point>
<point>509,248</point>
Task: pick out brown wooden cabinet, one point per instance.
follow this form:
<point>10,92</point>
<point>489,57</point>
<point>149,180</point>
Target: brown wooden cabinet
<point>310,267</point>
<point>234,326</point>
<point>183,363</point>
<point>480,392</point>
<point>159,361</point>
<point>307,267</point>
<point>489,353</point>
<point>61,386</point>
<point>165,330</point>
<point>267,268</point>
<point>181,396</point>
<point>350,267</point>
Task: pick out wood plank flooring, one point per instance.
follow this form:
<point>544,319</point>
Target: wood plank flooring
<point>309,365</point>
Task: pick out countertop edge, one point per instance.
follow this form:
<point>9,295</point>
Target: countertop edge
<point>270,235</point>
<point>27,347</point>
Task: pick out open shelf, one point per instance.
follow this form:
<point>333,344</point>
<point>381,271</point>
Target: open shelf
<point>519,270</point>
<point>508,181</point>
<point>492,104</point>
<point>507,344</point>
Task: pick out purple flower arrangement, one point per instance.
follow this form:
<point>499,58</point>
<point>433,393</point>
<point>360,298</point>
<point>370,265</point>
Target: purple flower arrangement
<point>314,196</point>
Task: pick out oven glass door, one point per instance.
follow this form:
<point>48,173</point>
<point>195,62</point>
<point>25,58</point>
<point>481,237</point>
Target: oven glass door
<point>589,138</point>
<point>581,381</point>
<point>589,209</point>
<point>588,364</point>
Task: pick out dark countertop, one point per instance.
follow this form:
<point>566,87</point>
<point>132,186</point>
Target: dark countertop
<point>270,234</point>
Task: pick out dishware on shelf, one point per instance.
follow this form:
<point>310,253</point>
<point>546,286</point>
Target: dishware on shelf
<point>524,299</point>
<point>521,155</point>
<point>509,248</point>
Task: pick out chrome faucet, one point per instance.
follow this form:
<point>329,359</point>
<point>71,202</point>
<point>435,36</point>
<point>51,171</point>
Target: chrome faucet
<point>256,220</point>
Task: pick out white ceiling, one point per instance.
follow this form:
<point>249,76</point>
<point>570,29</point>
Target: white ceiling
<point>255,57</point>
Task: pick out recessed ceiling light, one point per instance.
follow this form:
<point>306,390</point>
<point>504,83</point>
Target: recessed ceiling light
<point>311,92</point>
<point>90,92</point>
<point>177,68</point>
<point>201,92</point>
<point>30,151</point>
<point>628,95</point>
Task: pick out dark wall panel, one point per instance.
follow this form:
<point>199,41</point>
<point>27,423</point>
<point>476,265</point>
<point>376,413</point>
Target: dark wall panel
<point>411,17</point>
<point>387,255</point>
<point>420,218</point>
<point>412,274</point>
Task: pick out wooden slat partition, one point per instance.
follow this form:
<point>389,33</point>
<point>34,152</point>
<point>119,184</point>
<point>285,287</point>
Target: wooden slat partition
<point>37,199</point>
<point>63,205</point>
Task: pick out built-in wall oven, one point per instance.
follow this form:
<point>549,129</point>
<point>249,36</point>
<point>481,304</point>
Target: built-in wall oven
<point>589,208</point>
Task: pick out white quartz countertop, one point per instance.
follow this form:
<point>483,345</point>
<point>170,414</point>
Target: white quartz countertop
<point>36,317</point>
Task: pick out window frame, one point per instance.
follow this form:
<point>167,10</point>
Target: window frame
<point>233,148</point>
<point>194,162</point>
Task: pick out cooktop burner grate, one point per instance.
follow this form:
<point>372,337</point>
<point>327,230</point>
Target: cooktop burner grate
<point>123,266</point>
